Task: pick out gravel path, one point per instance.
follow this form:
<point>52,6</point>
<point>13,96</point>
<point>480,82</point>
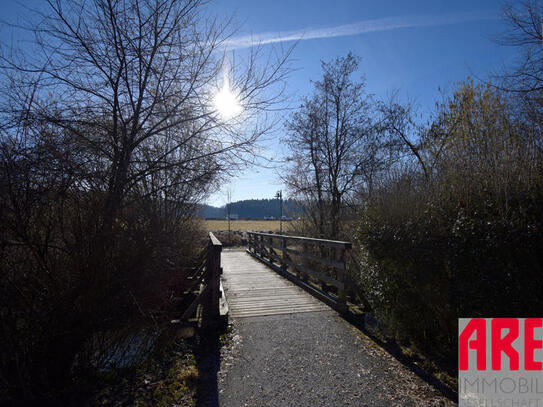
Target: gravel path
<point>313,359</point>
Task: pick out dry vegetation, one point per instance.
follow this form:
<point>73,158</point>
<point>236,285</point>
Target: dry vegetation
<point>243,225</point>
<point>108,139</point>
<point>446,210</point>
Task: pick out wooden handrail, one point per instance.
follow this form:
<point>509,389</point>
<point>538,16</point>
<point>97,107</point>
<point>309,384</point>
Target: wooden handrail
<point>207,275</point>
<point>332,274</point>
<point>309,240</point>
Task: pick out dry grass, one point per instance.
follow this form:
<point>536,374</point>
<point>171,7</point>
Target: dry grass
<point>242,225</point>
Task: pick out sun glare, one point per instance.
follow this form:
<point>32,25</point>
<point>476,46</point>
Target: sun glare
<point>226,102</point>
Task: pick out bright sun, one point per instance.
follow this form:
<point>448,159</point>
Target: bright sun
<point>227,102</point>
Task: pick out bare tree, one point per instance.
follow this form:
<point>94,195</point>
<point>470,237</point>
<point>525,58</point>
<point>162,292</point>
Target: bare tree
<point>524,30</point>
<point>124,77</point>
<point>402,132</point>
<point>333,143</point>
<point>524,81</point>
<point>109,133</point>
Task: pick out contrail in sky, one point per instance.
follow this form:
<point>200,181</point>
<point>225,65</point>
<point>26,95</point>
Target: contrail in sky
<point>360,27</point>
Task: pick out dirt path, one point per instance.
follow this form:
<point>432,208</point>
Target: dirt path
<point>312,359</point>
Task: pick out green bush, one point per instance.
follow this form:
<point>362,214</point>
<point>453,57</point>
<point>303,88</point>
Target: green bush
<point>426,268</point>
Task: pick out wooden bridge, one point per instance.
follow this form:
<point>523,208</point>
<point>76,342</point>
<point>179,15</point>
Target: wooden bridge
<point>253,289</point>
<point>289,345</point>
<point>264,287</point>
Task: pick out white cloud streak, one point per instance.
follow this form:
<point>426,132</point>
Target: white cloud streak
<point>361,27</point>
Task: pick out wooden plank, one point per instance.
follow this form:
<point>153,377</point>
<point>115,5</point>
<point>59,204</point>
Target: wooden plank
<point>192,307</point>
<point>263,302</point>
<point>262,291</point>
<point>223,303</point>
<point>285,296</point>
<point>274,311</point>
<point>247,314</point>
<point>214,240</point>
<point>196,280</point>
<point>267,307</point>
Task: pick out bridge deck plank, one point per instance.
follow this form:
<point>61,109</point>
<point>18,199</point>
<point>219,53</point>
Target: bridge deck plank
<point>252,289</point>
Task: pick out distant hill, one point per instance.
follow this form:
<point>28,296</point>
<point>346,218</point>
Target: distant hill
<point>208,211</point>
<point>253,209</point>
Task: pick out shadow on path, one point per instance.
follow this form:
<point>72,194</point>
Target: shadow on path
<point>395,351</point>
<point>208,359</point>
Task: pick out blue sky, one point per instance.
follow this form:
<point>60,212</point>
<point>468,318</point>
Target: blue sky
<point>415,47</point>
<point>440,44</point>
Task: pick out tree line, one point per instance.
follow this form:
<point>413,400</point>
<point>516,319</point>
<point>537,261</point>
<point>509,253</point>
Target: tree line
<point>253,209</point>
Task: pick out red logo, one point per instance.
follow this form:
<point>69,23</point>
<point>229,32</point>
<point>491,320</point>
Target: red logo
<point>500,344</point>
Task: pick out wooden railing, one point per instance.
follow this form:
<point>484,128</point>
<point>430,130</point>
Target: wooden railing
<point>204,284</point>
<point>306,261</point>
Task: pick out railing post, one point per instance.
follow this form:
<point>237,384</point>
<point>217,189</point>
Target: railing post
<point>341,274</point>
<point>329,253</point>
<point>211,308</point>
<point>304,261</point>
<point>270,249</point>
<point>284,255</point>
